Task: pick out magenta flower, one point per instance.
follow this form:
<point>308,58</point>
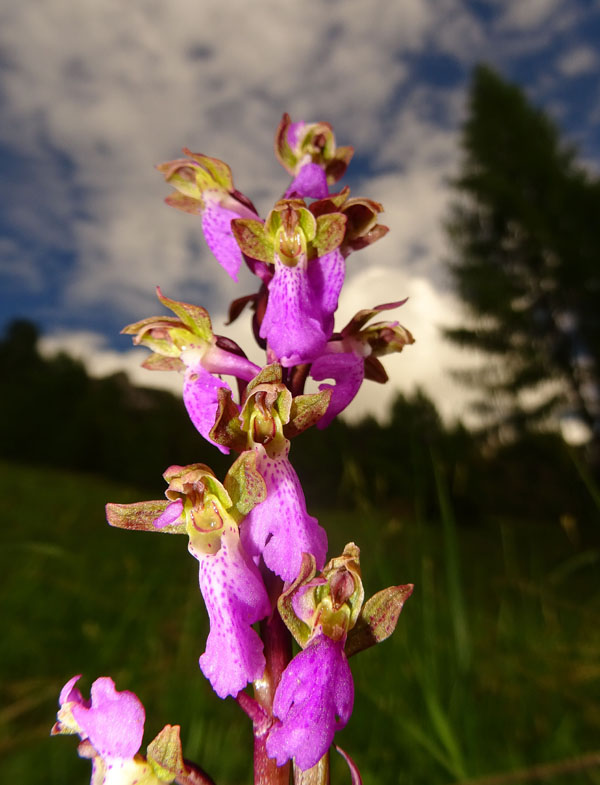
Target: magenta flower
<point>348,372</point>
<point>235,599</point>
<point>187,344</point>
<point>308,151</point>
<point>353,356</point>
<point>280,529</point>
<point>230,583</point>
<point>314,699</point>
<point>205,187</point>
<point>113,721</point>
<point>111,726</point>
<point>298,320</point>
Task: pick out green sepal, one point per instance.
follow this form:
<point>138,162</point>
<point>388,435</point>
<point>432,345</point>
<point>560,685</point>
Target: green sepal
<point>244,483</point>
<point>227,429</point>
<point>253,240</point>
<point>219,170</point>
<point>306,410</point>
<point>378,618</point>
<point>158,362</point>
<point>330,232</point>
<point>270,374</point>
<point>164,754</point>
<point>194,317</point>
<point>141,516</point>
<point>299,629</point>
<point>341,597</point>
<point>283,151</point>
<point>187,204</point>
<point>336,167</point>
<point>360,318</point>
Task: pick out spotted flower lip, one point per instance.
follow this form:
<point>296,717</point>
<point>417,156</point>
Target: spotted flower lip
<point>313,700</point>
<point>280,529</point>
<point>230,583</point>
<point>298,320</point>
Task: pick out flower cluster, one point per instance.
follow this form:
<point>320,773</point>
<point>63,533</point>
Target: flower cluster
<point>261,555</point>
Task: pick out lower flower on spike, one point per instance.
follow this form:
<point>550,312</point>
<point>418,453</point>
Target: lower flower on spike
<point>111,726</point>
<point>231,585</point>
<point>313,700</point>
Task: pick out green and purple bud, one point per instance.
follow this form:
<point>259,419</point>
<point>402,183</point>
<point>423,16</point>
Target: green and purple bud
<point>309,153</point>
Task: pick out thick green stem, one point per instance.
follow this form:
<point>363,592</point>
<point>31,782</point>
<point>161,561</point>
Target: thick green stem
<point>318,775</point>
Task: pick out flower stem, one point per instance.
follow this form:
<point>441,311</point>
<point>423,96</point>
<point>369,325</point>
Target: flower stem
<point>278,652</point>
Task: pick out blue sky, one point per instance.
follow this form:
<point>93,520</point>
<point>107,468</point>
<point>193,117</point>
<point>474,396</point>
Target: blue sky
<point>93,93</point>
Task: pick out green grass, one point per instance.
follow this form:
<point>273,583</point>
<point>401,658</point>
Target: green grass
<point>494,666</point>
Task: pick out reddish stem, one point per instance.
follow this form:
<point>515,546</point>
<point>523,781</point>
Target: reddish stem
<point>278,652</point>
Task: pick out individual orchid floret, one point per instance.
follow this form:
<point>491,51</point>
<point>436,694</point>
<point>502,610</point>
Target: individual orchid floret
<point>353,356</point>
<point>187,343</point>
<point>205,187</point>
<point>315,695</point>
<point>233,591</point>
<point>111,725</point>
<point>279,528</point>
<point>326,616</point>
<point>308,151</point>
<point>307,275</point>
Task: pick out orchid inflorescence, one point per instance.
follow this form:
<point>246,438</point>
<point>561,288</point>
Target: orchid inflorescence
<point>262,557</point>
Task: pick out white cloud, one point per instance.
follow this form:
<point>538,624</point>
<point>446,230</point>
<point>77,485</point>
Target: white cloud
<point>577,61</point>
<point>527,14</point>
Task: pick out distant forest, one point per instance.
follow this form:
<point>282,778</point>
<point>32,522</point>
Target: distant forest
<point>55,414</point>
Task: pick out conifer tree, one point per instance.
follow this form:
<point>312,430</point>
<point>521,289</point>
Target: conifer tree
<point>526,263</point>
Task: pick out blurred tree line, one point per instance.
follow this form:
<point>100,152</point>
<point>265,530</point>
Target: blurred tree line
<point>55,414</point>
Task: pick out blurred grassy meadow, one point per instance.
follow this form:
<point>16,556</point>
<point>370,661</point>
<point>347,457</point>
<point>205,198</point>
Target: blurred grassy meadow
<point>494,666</point>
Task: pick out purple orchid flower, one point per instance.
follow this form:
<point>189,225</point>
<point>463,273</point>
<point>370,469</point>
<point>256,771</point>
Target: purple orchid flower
<point>234,594</point>
<point>187,344</point>
<point>205,187</point>
<point>352,356</point>
<point>201,385</point>
<point>298,320</point>
<point>111,726</point>
<point>348,372</point>
<point>313,700</point>
<point>280,529</point>
<point>308,151</point>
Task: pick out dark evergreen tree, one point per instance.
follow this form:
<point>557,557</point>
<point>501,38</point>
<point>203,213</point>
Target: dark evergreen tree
<point>526,262</point>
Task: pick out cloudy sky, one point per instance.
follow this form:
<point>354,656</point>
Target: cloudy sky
<point>93,93</point>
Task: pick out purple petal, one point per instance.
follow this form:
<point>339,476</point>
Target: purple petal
<point>172,513</point>
<point>280,528</point>
<point>313,700</point>
<point>293,322</point>
<point>235,598</point>
<point>200,396</point>
<point>348,371</point>
<point>71,694</point>
<point>216,224</point>
<point>115,722</point>
<point>293,132</point>
<point>326,275</point>
<point>310,182</point>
